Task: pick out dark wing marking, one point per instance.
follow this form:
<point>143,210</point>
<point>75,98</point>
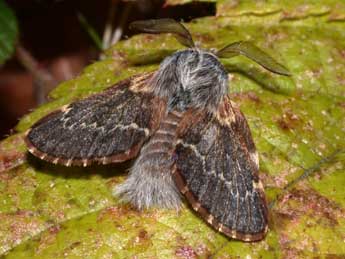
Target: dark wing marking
<point>104,128</point>
<point>217,174</point>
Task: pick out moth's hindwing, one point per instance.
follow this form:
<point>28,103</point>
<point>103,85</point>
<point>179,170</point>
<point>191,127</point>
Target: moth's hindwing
<point>104,128</point>
<point>216,169</point>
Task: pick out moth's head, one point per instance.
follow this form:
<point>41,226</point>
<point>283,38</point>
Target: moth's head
<point>195,77</point>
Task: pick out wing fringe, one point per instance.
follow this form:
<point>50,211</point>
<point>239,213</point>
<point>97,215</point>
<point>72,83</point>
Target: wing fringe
<point>209,218</point>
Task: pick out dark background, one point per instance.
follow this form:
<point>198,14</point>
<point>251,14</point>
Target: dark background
<point>52,35</point>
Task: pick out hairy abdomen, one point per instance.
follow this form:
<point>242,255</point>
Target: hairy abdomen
<point>150,182</point>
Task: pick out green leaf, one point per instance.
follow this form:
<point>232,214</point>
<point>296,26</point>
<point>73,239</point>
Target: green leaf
<point>298,125</point>
<point>8,32</point>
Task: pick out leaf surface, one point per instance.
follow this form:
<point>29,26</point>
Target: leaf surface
<point>298,125</point>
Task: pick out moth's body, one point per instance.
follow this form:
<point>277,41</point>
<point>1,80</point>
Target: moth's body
<point>191,78</point>
<point>150,182</point>
<point>187,137</point>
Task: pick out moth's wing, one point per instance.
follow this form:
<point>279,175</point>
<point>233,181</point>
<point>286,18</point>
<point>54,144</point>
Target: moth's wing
<point>105,128</point>
<point>216,169</point>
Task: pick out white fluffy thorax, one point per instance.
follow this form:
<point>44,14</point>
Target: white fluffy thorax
<point>191,78</point>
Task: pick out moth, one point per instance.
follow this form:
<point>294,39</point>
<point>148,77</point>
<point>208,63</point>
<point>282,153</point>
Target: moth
<point>189,139</point>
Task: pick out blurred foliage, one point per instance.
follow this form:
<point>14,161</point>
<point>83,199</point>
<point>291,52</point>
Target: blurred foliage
<point>298,125</point>
<point>8,32</point>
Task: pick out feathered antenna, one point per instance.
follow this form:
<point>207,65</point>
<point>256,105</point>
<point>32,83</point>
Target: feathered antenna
<point>181,33</point>
<point>252,52</point>
<point>165,26</point>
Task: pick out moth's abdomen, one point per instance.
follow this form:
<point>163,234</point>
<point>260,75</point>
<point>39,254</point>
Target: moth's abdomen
<point>150,182</point>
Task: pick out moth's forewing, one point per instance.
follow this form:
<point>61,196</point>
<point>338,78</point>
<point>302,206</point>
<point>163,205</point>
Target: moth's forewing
<point>105,128</point>
<point>216,170</point>
<point>241,128</point>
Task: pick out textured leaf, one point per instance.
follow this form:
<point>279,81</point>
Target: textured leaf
<point>8,32</point>
<point>298,125</point>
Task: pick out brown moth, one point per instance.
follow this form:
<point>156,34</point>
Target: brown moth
<point>187,136</point>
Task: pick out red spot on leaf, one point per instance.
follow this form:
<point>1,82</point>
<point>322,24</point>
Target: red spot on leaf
<point>186,252</point>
